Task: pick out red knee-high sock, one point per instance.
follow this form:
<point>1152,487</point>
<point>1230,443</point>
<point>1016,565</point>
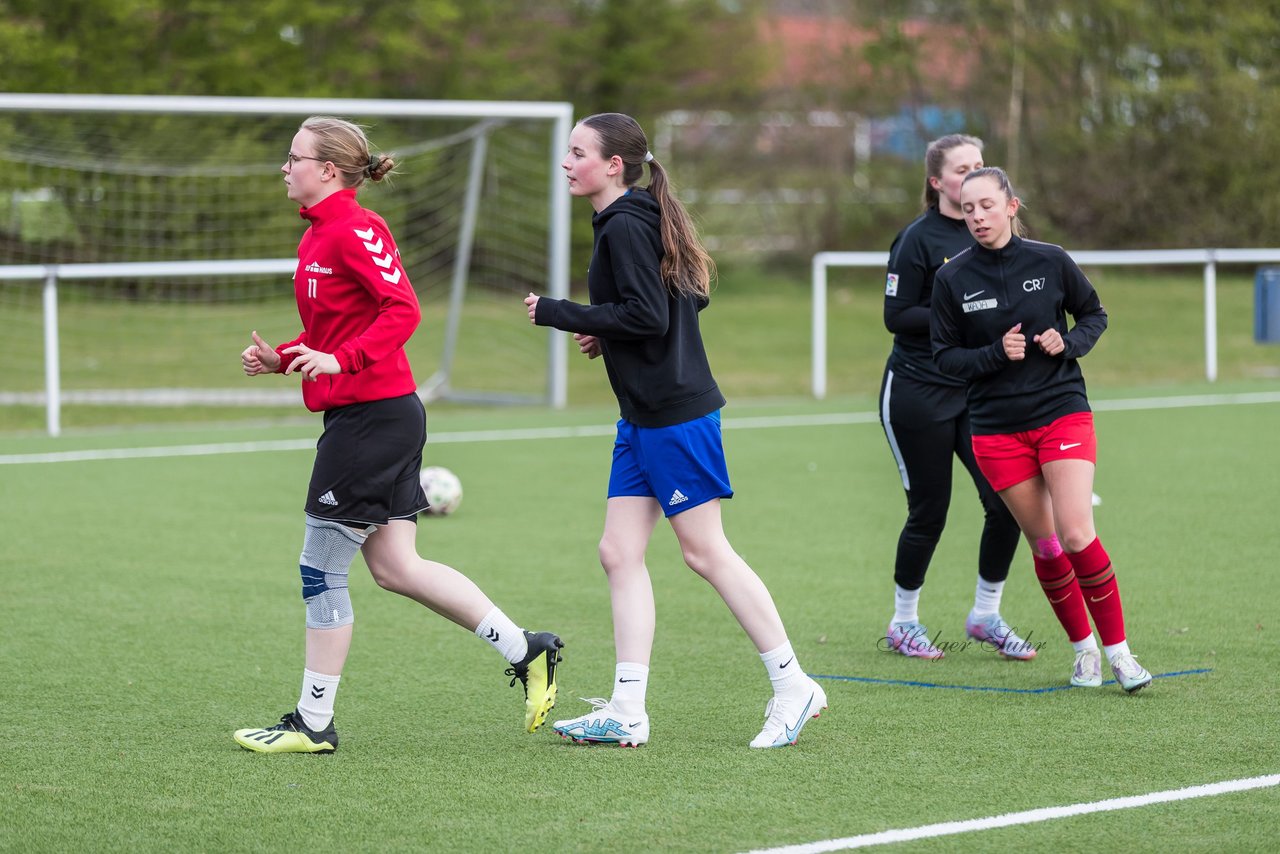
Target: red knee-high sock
<point>1101,593</point>
<point>1058,580</point>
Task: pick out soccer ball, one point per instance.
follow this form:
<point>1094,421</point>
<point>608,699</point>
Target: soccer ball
<point>443,489</point>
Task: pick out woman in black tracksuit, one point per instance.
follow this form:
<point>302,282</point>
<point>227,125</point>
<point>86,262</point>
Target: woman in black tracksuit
<point>999,321</point>
<point>926,419</point>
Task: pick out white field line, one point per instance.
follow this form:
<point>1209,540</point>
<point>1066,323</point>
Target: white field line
<point>513,435</point>
<point>442,438</point>
<point>950,828</point>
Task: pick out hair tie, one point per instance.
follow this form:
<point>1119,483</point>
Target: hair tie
<point>648,157</point>
<point>373,164</point>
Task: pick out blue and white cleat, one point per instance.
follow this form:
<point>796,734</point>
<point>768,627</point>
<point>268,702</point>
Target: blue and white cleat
<point>605,725</point>
<point>992,631</point>
<point>785,716</point>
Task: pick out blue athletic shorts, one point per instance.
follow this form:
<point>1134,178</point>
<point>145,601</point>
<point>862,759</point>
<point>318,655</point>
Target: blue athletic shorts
<point>681,466</point>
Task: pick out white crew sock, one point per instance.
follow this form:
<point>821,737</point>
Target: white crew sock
<point>1112,650</point>
<point>905,605</point>
<point>1087,643</point>
<point>630,682</point>
<point>784,671</point>
<point>316,703</point>
<point>986,599</point>
<point>505,636</point>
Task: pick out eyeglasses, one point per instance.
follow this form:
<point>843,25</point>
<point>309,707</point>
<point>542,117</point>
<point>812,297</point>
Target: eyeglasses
<point>292,159</point>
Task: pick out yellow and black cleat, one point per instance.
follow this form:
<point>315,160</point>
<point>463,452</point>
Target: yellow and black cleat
<point>289,736</point>
<point>537,672</point>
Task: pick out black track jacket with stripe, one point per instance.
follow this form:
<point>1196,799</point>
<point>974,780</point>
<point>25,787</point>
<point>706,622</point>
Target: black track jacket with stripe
<point>914,258</point>
<point>981,294</point>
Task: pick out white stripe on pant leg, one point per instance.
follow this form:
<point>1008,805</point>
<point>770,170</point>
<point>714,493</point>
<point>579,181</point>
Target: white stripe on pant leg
<point>888,432</point>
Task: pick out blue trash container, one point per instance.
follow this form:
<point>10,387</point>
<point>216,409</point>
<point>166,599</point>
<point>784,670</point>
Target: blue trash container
<point>1266,306</point>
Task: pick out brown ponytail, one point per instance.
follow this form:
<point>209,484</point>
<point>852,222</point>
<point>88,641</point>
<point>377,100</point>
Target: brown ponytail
<point>687,268</point>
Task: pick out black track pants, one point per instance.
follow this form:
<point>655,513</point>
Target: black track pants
<point>926,424</point>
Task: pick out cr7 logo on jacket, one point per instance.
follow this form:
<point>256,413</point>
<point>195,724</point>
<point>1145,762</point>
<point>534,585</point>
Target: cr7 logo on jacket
<point>1033,284</point>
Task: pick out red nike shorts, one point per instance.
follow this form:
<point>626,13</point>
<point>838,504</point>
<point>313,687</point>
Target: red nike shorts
<point>1010,458</point>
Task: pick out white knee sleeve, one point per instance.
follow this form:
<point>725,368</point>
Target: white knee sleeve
<point>327,551</point>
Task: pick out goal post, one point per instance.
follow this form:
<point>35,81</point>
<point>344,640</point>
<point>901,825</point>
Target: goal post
<point>120,213</point>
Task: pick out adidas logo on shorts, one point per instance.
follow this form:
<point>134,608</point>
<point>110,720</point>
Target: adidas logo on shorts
<point>677,497</point>
<point>328,498</point>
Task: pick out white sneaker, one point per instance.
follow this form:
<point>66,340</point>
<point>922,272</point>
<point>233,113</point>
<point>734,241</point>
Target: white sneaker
<point>1087,672</point>
<point>605,725</point>
<point>786,715</point>
<point>1130,675</point>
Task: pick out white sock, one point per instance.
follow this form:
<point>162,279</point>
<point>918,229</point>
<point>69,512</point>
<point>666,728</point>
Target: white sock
<point>316,702</point>
<point>986,599</point>
<point>905,604</point>
<point>630,681</point>
<point>1115,649</point>
<point>784,671</point>
<point>505,636</point>
<point>1087,643</point>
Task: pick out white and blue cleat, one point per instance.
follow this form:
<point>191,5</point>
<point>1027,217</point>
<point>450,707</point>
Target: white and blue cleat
<point>605,725</point>
<point>785,716</point>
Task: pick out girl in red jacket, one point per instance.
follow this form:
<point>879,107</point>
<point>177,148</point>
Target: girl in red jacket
<point>358,310</point>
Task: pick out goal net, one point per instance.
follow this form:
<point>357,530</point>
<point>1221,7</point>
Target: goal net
<point>163,227</point>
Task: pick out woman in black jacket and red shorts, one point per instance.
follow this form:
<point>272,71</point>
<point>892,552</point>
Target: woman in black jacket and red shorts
<point>1000,322</point>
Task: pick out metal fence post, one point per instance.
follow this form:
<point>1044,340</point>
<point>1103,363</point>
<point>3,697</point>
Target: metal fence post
<point>52,375</point>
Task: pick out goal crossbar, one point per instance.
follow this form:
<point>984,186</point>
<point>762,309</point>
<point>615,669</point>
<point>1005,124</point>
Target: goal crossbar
<point>554,110</point>
<point>558,115</point>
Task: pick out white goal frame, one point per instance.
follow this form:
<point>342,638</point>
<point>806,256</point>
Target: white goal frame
<point>1207,258</point>
<point>560,115</point>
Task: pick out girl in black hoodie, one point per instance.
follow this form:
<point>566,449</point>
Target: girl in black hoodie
<point>649,278</point>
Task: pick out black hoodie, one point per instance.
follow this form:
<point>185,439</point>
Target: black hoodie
<point>649,337</point>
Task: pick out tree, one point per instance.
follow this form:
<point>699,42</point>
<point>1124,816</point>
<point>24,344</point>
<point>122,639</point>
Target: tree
<point>1146,123</point>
